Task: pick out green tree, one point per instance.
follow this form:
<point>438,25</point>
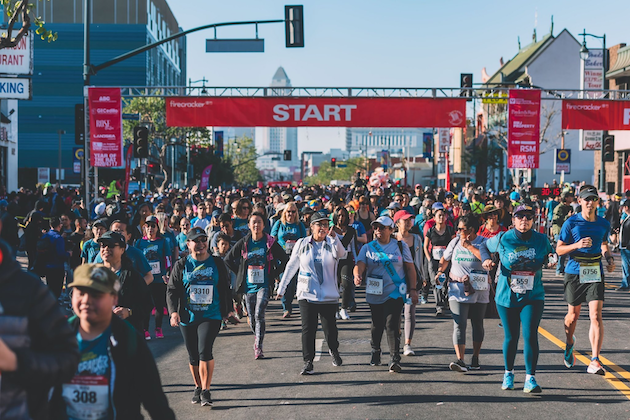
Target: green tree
<point>327,173</point>
<point>153,114</point>
<point>222,172</point>
<point>21,10</point>
<point>241,153</point>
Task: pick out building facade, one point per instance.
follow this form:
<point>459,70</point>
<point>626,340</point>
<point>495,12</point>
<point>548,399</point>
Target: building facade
<point>118,26</point>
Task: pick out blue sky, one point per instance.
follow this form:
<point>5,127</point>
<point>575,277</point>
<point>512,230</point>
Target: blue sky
<point>393,43</point>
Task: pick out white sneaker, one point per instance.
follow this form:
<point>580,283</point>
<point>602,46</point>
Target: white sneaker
<point>343,313</point>
<point>337,316</point>
<point>407,351</point>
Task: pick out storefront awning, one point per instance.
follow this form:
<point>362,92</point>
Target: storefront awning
<point>622,65</point>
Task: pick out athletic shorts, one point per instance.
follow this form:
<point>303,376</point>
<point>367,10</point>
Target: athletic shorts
<point>576,293</point>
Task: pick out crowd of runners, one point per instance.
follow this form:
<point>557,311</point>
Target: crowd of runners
<point>208,259</point>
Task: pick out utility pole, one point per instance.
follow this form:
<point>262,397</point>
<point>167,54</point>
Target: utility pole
<point>87,12</point>
<point>59,132</point>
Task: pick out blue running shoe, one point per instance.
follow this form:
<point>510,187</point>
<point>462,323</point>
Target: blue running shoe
<point>532,387</point>
<point>569,357</point>
<point>508,381</point>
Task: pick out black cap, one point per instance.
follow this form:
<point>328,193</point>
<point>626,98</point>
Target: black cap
<point>588,191</point>
<point>318,216</point>
<point>307,210</point>
<point>195,233</point>
<point>99,222</point>
<point>113,238</point>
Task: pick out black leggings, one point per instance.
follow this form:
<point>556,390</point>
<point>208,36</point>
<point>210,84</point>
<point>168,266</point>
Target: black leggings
<point>386,316</point>
<point>54,280</point>
<point>158,293</point>
<point>199,338</point>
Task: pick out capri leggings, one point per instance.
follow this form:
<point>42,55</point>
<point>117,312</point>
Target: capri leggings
<point>461,313</point>
<point>158,293</point>
<point>199,338</point>
<point>512,318</point>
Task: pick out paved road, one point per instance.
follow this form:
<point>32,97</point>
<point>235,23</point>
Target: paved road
<point>272,388</point>
<point>244,388</point>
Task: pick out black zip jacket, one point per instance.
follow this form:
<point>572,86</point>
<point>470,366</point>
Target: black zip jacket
<point>135,376</point>
<point>134,292</point>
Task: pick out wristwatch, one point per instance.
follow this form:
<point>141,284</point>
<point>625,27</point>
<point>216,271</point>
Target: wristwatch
<point>130,311</point>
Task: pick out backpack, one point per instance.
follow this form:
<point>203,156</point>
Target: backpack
<point>45,253</point>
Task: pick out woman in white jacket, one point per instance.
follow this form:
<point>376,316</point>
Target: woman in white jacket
<point>315,259</point>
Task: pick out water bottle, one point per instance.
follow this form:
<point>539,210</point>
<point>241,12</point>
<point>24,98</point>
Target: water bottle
<point>441,280</point>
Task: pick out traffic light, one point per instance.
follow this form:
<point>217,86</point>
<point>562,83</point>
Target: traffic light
<point>287,155</point>
<point>333,162</point>
<point>79,125</point>
<point>608,148</point>
<point>294,26</point>
<point>140,142</point>
<point>466,82</point>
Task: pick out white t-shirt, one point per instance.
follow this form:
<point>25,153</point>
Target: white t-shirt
<point>464,263</point>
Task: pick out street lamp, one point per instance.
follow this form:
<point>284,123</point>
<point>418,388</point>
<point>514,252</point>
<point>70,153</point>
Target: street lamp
<point>584,54</point>
<point>60,133</point>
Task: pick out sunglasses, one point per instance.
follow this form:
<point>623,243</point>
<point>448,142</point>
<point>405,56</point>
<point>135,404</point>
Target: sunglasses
<point>103,245</point>
<point>462,229</point>
<point>290,211</point>
<point>200,240</point>
<point>591,198</point>
<point>379,227</point>
<point>321,225</point>
<point>524,216</point>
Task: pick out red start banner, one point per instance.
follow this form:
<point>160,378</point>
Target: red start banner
<point>315,112</point>
<point>106,146</point>
<point>523,128</point>
<point>593,114</point>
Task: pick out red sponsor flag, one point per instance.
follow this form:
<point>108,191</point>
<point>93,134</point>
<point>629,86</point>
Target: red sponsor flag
<point>315,112</point>
<point>595,114</point>
<point>523,128</point>
<point>106,145</point>
<point>205,178</point>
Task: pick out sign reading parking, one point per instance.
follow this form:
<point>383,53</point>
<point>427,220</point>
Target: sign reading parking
<point>15,88</point>
<point>562,161</point>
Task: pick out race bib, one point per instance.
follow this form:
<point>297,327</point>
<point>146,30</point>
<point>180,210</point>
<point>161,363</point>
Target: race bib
<point>437,252</point>
<point>87,397</point>
<point>304,283</point>
<point>590,273</point>
<point>479,279</point>
<point>256,274</point>
<point>522,281</point>
<point>201,294</point>
<point>288,246</point>
<point>155,267</point>
<point>374,286</point>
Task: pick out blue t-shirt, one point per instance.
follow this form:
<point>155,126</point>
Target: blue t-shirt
<point>289,232</point>
<point>155,252</point>
<point>201,280</point>
<point>576,228</point>
<point>551,204</point>
<point>358,226</point>
<point>91,249</point>
<point>518,255</point>
<point>241,225</point>
<point>136,256</point>
<point>257,261</point>
<point>181,242</point>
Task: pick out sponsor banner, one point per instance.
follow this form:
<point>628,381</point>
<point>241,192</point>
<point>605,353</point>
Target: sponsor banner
<point>19,59</point>
<point>562,161</point>
<point>427,145</point>
<point>106,139</point>
<point>444,140</point>
<point>595,114</point>
<point>218,143</point>
<point>315,112</point>
<point>205,178</point>
<point>523,128</point>
<point>43,175</point>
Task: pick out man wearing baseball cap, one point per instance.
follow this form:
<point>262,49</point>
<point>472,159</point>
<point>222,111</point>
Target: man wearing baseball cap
<point>584,238</point>
<point>116,371</point>
<point>624,245</point>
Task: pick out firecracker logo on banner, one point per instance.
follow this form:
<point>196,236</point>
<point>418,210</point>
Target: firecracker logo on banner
<point>106,146</point>
<point>523,129</point>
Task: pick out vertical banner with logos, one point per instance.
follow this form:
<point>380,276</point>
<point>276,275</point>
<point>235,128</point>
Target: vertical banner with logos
<point>106,138</point>
<point>427,145</point>
<point>128,158</point>
<point>218,143</point>
<point>562,161</point>
<point>205,178</point>
<point>592,77</point>
<point>444,136</point>
<point>523,128</point>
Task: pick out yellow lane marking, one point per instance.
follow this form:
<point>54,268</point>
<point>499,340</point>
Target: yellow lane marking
<point>612,379</point>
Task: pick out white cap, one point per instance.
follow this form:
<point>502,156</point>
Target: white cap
<point>385,221</point>
<point>100,209</point>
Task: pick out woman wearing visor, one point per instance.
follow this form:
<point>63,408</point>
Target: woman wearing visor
<point>390,275</point>
<point>520,295</point>
<point>315,260</point>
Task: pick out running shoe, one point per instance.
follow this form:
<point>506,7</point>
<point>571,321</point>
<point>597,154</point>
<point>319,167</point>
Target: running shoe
<point>153,311</point>
<point>233,319</point>
<point>307,369</point>
<point>531,387</point>
<point>147,336</point>
<point>258,353</point>
<point>458,366</point>
<point>158,333</point>
<point>336,358</point>
<point>438,311</point>
<point>569,357</point>
<point>343,313</point>
<point>596,367</point>
<point>224,325</point>
<point>206,399</point>
<point>196,399</point>
<point>407,350</point>
<point>508,381</point>
<point>376,358</point>
<point>337,315</point>
<point>165,311</point>
<point>474,364</point>
<point>422,300</point>
<point>286,314</point>
<point>394,367</point>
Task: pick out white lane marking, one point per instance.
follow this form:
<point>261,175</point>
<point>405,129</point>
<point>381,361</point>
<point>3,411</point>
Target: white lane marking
<point>319,343</point>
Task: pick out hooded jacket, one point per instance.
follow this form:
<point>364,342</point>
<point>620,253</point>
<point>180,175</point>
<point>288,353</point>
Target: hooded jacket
<point>33,326</point>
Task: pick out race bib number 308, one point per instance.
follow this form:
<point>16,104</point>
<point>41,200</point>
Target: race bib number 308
<point>87,397</point>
